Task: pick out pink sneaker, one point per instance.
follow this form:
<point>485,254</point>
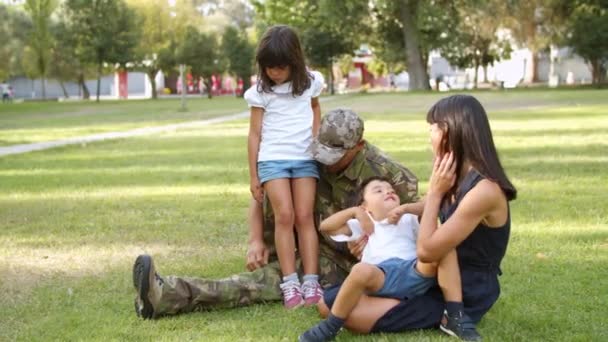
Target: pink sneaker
<point>292,295</point>
<point>312,292</point>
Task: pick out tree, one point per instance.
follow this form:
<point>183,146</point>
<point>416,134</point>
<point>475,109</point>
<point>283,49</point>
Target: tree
<point>589,36</point>
<point>14,29</point>
<point>409,19</point>
<point>473,41</point>
<point>66,62</point>
<point>531,23</point>
<point>156,28</point>
<point>406,31</point>
<point>105,30</point>
<point>199,51</point>
<point>239,54</point>
<point>40,39</point>
<point>322,38</point>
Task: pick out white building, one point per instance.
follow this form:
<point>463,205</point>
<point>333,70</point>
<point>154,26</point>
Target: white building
<point>558,66</point>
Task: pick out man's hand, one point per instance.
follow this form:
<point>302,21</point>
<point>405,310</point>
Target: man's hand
<point>257,255</point>
<point>367,225</point>
<point>256,190</point>
<point>356,247</point>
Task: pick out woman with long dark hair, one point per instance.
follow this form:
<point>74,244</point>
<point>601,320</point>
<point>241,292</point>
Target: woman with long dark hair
<point>469,192</point>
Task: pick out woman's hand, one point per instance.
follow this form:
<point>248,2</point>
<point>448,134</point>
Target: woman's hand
<point>356,247</point>
<point>444,174</point>
<point>256,190</point>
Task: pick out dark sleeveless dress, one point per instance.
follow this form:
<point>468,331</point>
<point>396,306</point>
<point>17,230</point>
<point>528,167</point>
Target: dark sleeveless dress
<point>479,257</point>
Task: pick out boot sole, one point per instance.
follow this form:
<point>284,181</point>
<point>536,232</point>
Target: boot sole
<point>447,331</point>
<point>142,266</point>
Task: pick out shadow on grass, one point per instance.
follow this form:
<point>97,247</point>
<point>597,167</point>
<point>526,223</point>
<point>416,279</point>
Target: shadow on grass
<point>540,298</point>
<point>207,160</point>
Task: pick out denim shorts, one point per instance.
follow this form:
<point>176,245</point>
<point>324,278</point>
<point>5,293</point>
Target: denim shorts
<point>402,280</point>
<point>275,169</point>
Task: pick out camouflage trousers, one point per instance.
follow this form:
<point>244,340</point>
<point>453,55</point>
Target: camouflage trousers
<point>188,294</point>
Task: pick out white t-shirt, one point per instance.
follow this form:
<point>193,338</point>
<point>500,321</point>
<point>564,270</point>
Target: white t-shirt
<point>388,240</point>
<point>287,121</point>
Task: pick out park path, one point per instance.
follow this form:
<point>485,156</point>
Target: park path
<point>45,145</point>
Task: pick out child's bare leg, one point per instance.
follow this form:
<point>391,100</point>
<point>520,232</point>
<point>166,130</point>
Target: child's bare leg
<point>279,194</point>
<point>303,190</point>
<point>362,277</point>
<point>448,277</point>
<point>454,322</point>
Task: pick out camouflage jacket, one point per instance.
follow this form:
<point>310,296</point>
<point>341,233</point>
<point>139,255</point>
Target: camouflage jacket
<point>336,192</point>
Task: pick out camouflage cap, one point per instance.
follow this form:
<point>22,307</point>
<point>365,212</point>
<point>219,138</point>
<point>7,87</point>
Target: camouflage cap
<point>341,129</point>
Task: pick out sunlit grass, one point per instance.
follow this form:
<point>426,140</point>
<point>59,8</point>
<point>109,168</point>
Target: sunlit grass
<point>34,122</point>
<point>73,219</point>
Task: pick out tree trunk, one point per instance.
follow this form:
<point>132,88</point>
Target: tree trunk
<point>485,73</point>
<point>85,91</point>
<point>182,77</point>
<point>476,67</point>
<point>598,72</point>
<point>65,92</point>
<point>207,82</point>
<point>99,66</point>
<point>152,77</point>
<point>419,78</point>
<point>332,91</point>
<point>534,66</point>
<point>246,84</point>
<point>43,88</point>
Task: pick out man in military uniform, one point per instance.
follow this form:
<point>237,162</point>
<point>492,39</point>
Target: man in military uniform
<point>346,161</point>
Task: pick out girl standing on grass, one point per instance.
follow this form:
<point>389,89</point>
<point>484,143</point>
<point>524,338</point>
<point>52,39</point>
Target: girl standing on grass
<point>469,192</point>
<point>285,115</point>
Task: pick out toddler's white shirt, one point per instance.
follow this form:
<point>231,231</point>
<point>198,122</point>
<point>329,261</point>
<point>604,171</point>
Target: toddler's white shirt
<point>388,240</point>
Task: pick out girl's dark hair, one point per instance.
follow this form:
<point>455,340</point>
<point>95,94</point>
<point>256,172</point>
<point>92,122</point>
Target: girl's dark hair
<point>365,183</point>
<point>469,137</point>
<point>280,47</point>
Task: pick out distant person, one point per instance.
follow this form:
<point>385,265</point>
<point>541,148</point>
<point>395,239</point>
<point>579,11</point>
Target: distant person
<point>6,93</point>
<point>285,116</point>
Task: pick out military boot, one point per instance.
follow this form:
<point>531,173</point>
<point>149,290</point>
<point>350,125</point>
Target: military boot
<point>148,285</point>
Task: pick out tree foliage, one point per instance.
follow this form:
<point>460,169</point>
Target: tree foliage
<point>406,31</point>
<point>157,33</point>
<point>239,54</point>
<point>106,32</point>
<point>589,35</point>
<point>199,51</point>
<point>474,42</point>
<point>40,40</point>
<point>328,29</point>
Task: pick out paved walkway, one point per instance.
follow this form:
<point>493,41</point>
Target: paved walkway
<point>45,145</point>
<point>24,148</point>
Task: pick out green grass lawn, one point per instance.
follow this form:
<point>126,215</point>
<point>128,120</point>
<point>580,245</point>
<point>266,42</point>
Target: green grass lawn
<point>28,122</point>
<point>73,219</point>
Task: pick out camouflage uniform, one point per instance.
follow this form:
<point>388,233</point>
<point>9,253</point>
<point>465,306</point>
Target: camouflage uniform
<point>334,193</point>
